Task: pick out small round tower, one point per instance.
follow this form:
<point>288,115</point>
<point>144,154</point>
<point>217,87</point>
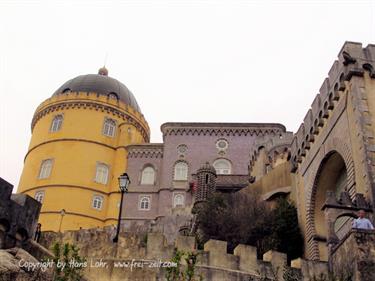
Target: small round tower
<point>206,183</point>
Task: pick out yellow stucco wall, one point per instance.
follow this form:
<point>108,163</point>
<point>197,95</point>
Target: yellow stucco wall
<point>75,151</point>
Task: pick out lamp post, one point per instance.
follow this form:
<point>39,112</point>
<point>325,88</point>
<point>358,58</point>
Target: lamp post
<point>123,182</point>
<point>62,214</point>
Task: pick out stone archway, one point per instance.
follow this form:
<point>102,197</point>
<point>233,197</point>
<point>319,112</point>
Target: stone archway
<point>332,175</point>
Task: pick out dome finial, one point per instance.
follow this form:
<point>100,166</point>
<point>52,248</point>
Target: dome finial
<point>103,71</point>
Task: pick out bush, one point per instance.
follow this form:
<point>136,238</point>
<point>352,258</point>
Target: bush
<point>244,218</point>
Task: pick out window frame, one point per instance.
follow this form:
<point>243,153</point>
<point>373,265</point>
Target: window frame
<point>142,175</point>
<point>42,168</point>
<point>59,123</point>
<point>106,123</point>
<point>230,172</point>
<point>140,201</point>
<point>96,178</point>
<point>175,174</point>
<point>40,193</point>
<point>97,199</point>
<point>175,195</point>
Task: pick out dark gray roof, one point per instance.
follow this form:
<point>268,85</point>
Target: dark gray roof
<point>100,84</point>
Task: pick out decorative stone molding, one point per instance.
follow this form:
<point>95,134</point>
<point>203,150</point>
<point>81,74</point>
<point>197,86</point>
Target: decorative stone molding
<point>221,129</point>
<point>146,151</point>
<point>338,145</point>
<point>75,100</point>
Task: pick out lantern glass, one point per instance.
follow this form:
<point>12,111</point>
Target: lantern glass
<point>124,181</point>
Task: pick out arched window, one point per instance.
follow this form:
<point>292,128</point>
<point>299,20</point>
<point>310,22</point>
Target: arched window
<point>178,200</point>
<point>148,176</point>
<point>39,196</point>
<point>45,169</point>
<point>56,123</point>
<point>101,173</point>
<point>145,203</point>
<point>109,127</point>
<point>97,202</point>
<point>222,167</point>
<point>181,171</point>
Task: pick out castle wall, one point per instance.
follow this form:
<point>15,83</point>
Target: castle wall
<point>354,257</point>
<point>339,124</point>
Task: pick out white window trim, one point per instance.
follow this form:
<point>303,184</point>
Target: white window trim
<point>53,122</point>
<point>114,128</point>
<point>42,168</point>
<point>175,174</point>
<point>140,197</point>
<point>96,173</point>
<point>222,148</point>
<point>40,193</point>
<point>94,200</point>
<point>154,178</point>
<point>175,194</point>
<point>230,166</point>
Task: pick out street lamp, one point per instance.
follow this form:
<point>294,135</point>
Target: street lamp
<point>62,214</point>
<point>123,182</point>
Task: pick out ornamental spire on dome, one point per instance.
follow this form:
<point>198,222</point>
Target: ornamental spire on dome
<point>103,71</point>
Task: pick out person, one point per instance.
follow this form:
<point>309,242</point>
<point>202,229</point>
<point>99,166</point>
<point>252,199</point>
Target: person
<point>38,232</point>
<point>361,222</point>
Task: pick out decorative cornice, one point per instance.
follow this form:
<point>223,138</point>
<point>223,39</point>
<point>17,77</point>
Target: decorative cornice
<point>222,129</point>
<point>73,214</point>
<point>92,105</point>
<point>69,186</point>
<point>152,150</point>
<point>71,139</point>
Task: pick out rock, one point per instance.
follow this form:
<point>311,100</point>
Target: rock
<point>8,263</point>
<point>12,269</point>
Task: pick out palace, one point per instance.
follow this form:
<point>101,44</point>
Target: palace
<point>92,130</point>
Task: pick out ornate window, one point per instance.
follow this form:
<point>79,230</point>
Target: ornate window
<point>148,176</point>
<point>181,171</point>
<point>102,172</point>
<point>56,123</point>
<point>97,202</point>
<point>178,200</point>
<point>45,169</point>
<point>223,167</point>
<point>39,196</point>
<point>144,203</point>
<point>109,127</point>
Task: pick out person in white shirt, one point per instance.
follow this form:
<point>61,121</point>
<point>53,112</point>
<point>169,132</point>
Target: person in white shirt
<point>362,222</point>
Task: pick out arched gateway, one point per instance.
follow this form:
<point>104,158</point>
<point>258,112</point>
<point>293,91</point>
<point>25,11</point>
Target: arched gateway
<point>332,175</point>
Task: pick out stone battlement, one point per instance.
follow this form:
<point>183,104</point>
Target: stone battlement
<point>273,145</point>
<point>353,60</point>
<point>18,216</point>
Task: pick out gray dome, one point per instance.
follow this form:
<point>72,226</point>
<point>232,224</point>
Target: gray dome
<point>100,84</point>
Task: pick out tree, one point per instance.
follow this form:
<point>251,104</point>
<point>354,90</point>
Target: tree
<point>68,265</point>
<point>243,218</point>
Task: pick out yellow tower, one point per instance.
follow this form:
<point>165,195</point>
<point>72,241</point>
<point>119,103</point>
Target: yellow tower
<point>78,150</point>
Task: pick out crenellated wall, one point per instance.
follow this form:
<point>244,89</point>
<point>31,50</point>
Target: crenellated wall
<point>337,134</point>
<point>214,263</point>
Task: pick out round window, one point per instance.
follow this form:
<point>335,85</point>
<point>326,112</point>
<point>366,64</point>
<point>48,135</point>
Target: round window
<point>222,144</point>
<point>181,149</point>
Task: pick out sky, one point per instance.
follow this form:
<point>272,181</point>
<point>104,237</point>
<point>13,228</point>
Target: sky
<point>184,61</point>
